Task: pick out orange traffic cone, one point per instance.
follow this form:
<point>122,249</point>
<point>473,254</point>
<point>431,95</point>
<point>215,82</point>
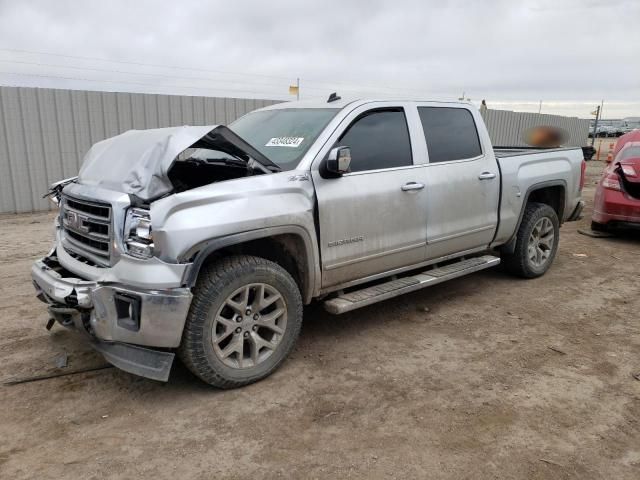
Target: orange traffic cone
<point>610,154</point>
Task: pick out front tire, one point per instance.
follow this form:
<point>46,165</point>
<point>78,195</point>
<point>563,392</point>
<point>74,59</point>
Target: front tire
<point>244,320</point>
<point>536,242</point>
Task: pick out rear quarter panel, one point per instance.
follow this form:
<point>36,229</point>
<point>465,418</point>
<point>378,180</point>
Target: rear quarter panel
<point>524,173</point>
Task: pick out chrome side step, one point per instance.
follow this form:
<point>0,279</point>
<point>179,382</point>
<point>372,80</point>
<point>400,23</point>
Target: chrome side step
<point>367,296</point>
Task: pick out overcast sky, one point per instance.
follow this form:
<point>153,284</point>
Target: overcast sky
<point>570,54</point>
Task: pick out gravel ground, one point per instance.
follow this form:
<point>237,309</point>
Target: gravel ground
<point>486,376</point>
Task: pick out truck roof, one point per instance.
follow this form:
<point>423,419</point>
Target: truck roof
<point>354,101</point>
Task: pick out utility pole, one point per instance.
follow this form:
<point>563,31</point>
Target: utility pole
<point>601,107</point>
<point>595,125</point>
<point>540,107</point>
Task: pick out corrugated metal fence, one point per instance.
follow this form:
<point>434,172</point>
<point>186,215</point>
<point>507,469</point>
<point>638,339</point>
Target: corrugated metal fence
<point>506,127</point>
<point>45,133</point>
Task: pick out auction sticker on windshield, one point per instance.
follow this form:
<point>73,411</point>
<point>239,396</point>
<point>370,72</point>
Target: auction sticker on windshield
<point>285,142</point>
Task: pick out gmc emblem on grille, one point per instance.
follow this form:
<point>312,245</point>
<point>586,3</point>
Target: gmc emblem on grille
<point>75,221</point>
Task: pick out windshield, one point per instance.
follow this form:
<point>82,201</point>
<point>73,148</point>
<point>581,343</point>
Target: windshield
<point>630,152</point>
<point>283,135</point>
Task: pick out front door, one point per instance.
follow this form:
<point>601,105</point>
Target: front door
<point>373,219</point>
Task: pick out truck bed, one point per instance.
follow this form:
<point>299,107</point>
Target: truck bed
<point>523,168</point>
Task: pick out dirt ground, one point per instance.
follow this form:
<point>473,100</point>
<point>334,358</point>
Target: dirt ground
<point>470,388</point>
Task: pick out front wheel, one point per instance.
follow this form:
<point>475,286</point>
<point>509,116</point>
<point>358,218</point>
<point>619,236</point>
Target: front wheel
<point>244,320</point>
<point>536,242</point>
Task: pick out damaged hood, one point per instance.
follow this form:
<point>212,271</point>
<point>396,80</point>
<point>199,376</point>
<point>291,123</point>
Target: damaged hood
<point>137,161</point>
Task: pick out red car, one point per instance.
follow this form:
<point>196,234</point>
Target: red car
<point>617,200</point>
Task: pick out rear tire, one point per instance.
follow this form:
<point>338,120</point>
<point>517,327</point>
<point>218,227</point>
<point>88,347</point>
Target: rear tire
<point>244,320</point>
<point>536,242</point>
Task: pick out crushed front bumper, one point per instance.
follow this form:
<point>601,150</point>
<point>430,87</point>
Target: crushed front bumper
<point>615,206</point>
<point>118,320</point>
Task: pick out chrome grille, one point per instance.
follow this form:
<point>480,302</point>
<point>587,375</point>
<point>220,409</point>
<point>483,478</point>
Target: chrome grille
<point>87,229</point>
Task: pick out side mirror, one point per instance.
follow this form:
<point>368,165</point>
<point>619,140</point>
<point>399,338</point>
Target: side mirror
<point>338,161</point>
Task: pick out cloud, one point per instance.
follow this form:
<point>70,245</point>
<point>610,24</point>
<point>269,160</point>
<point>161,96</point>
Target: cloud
<point>504,51</point>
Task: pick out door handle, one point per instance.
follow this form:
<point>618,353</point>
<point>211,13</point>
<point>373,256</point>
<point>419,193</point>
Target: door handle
<point>487,176</point>
<point>407,187</point>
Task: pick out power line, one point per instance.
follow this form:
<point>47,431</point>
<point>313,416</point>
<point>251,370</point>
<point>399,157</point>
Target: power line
<point>79,57</point>
<point>361,87</point>
<point>137,83</point>
<point>107,70</point>
<point>306,81</point>
<point>208,79</point>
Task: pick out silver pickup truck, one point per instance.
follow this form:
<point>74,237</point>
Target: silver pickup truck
<point>207,241</point>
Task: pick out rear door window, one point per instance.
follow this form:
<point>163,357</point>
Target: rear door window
<point>451,133</point>
<point>378,139</point>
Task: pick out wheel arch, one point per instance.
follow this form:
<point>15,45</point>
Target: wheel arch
<point>289,246</point>
<point>552,193</point>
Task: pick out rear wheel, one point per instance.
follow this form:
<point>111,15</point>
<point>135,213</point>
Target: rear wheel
<point>244,320</point>
<point>536,242</point>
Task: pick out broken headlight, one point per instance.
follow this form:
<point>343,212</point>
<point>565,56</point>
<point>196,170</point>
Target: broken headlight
<point>138,236</point>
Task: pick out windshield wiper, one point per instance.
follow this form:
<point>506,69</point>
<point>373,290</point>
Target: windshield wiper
<point>251,164</point>
<point>225,161</point>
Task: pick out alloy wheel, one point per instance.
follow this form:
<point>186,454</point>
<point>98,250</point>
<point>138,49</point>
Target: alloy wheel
<point>249,326</point>
<point>541,242</point>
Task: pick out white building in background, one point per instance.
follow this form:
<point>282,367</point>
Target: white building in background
<point>633,122</point>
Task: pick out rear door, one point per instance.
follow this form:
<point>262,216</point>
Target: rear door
<point>373,219</point>
<point>463,183</point>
